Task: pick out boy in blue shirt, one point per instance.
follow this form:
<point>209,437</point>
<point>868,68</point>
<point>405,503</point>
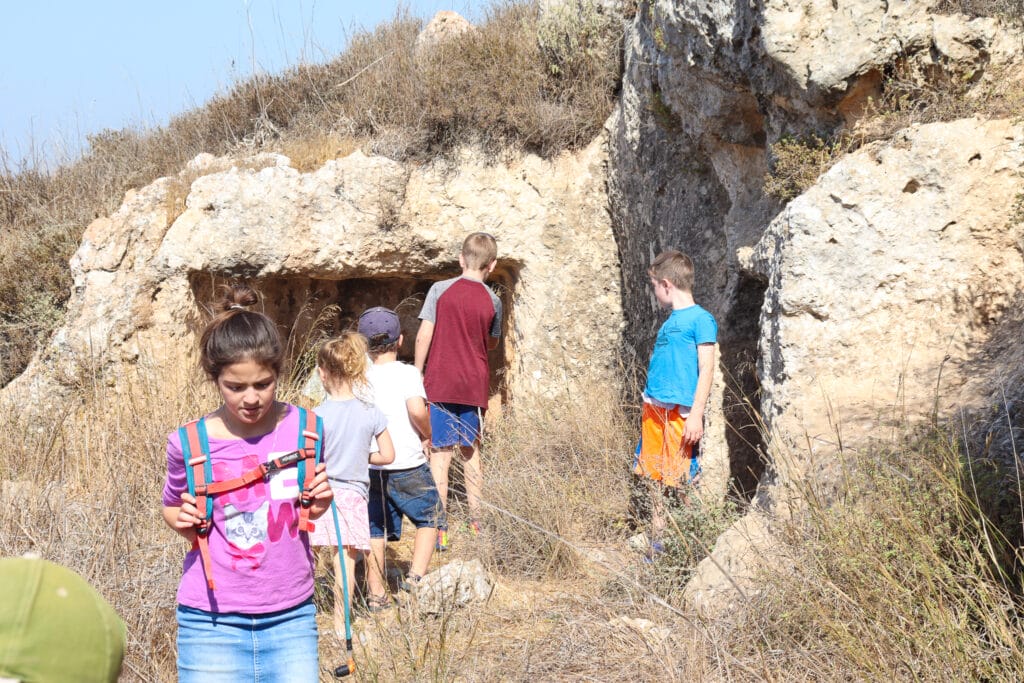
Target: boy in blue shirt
<point>678,385</point>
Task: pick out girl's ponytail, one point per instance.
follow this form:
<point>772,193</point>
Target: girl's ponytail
<point>344,358</point>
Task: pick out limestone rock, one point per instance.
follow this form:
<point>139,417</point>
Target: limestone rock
<point>444,26</point>
<point>456,584</point>
<point>885,280</point>
<point>358,232</point>
<point>923,262</point>
<point>730,573</point>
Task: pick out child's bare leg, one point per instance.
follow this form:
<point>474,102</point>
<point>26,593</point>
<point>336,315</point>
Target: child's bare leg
<point>659,519</point>
<point>473,472</point>
<point>440,462</point>
<point>339,614</point>
<point>375,577</point>
<point>422,549</point>
<point>351,555</point>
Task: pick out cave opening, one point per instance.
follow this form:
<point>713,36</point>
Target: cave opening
<point>308,310</point>
<point>744,433</point>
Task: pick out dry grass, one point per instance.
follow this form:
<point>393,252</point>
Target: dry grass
<point>897,579</point>
<point>1008,10</point>
<point>82,488</point>
<point>911,96</point>
<point>554,480</point>
<point>518,81</point>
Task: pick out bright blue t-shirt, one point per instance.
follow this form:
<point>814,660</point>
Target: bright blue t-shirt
<point>672,372</point>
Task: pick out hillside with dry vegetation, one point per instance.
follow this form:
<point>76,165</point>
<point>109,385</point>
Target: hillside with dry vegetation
<point>903,564</point>
<point>514,83</point>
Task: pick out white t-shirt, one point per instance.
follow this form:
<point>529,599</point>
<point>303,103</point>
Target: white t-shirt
<point>392,384</point>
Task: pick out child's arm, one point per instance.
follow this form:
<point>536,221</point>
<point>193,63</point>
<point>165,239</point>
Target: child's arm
<point>385,454</point>
<point>183,518</point>
<point>495,332</point>
<point>694,429</point>
<point>423,338</point>
<point>418,416</point>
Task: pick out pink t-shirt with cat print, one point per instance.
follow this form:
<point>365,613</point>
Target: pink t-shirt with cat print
<point>260,561</point>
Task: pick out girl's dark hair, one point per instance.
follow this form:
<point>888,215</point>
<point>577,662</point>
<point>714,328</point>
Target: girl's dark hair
<point>236,334</point>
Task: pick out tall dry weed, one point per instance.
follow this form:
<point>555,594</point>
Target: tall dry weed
<point>556,481</point>
<point>900,578</point>
<point>81,487</point>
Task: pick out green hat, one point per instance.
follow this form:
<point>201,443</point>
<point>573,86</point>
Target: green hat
<point>54,626</point>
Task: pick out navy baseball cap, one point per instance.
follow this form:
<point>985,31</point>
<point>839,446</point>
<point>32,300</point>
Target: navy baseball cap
<point>380,321</point>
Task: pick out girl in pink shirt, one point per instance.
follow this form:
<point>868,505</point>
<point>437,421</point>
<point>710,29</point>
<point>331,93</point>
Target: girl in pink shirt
<point>259,622</point>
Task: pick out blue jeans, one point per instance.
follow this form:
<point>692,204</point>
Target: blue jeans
<point>411,492</point>
<point>279,647</point>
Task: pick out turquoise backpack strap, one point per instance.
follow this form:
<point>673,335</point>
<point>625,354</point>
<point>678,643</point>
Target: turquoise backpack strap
<point>300,445</point>
<point>192,437</point>
<point>311,436</point>
<point>195,451</point>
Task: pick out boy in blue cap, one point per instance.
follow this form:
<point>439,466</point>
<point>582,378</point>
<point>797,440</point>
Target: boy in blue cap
<point>405,487</point>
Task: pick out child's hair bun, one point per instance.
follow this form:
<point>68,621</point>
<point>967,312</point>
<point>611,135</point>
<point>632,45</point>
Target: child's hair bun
<point>236,296</point>
<point>237,333</point>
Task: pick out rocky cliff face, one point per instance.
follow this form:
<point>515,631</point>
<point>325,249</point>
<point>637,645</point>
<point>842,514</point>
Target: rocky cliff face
<point>864,300</point>
<point>360,231</point>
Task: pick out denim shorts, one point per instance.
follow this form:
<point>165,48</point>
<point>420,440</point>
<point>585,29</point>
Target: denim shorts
<point>454,424</point>
<point>225,648</point>
<point>410,492</point>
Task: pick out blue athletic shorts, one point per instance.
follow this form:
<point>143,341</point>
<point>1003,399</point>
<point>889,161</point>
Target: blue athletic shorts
<point>410,492</point>
<point>453,424</point>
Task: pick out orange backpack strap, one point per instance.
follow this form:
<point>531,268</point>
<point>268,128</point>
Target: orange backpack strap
<point>311,431</point>
<point>195,450</point>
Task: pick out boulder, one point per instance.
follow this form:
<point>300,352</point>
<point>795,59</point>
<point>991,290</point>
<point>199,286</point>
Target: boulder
<point>456,584</point>
<point>443,27</point>
<point>885,281</point>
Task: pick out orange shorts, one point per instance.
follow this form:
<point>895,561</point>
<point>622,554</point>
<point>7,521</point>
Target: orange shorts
<point>661,455</point>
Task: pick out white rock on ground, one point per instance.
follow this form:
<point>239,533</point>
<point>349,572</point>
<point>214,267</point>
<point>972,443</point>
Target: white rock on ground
<point>456,584</point>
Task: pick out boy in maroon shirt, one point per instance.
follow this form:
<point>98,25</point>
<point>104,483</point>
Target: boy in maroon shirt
<point>460,323</point>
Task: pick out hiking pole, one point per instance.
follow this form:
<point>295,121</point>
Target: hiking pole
<point>350,665</point>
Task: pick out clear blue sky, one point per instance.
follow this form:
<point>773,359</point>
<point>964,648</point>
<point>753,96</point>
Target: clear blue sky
<point>69,68</point>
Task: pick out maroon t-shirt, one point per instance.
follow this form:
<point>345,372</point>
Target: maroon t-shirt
<point>465,314</point>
